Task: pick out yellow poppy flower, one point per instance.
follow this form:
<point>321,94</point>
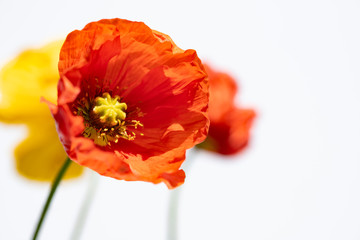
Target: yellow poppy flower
<point>23,81</point>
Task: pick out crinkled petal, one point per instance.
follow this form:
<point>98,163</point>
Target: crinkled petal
<point>79,45</point>
<point>164,88</point>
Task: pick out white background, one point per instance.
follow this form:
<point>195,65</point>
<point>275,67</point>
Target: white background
<point>297,63</point>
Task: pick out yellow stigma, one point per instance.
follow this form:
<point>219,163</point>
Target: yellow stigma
<point>109,110</point>
<point>105,119</point>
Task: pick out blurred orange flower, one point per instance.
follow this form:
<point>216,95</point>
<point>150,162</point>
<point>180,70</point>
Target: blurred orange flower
<point>130,102</point>
<point>229,125</point>
<point>23,81</point>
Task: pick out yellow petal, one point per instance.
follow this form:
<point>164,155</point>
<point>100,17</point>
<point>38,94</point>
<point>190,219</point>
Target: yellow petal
<point>25,79</point>
<point>41,155</point>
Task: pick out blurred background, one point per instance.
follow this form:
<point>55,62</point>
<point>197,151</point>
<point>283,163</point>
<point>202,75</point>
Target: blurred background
<point>296,62</point>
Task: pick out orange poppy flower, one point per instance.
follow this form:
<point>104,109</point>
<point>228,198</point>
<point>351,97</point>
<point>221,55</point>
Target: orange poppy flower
<point>130,102</point>
<point>229,125</point>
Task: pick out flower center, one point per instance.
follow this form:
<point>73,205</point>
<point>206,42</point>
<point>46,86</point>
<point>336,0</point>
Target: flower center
<point>105,119</point>
<point>109,111</point>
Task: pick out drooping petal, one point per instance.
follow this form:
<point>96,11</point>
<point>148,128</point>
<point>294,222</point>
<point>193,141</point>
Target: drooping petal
<point>41,154</point>
<point>23,80</point>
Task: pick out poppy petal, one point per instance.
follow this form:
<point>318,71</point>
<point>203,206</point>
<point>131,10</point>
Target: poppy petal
<point>39,161</point>
<point>23,80</point>
<point>163,91</point>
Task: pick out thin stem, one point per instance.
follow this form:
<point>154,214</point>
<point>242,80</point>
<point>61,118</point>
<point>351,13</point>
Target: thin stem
<point>173,210</point>
<point>172,233</point>
<point>54,186</point>
<point>87,202</point>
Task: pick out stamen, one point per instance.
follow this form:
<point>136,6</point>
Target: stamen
<point>105,119</point>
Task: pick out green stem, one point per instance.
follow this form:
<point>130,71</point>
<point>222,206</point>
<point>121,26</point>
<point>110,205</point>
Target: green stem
<point>54,186</point>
